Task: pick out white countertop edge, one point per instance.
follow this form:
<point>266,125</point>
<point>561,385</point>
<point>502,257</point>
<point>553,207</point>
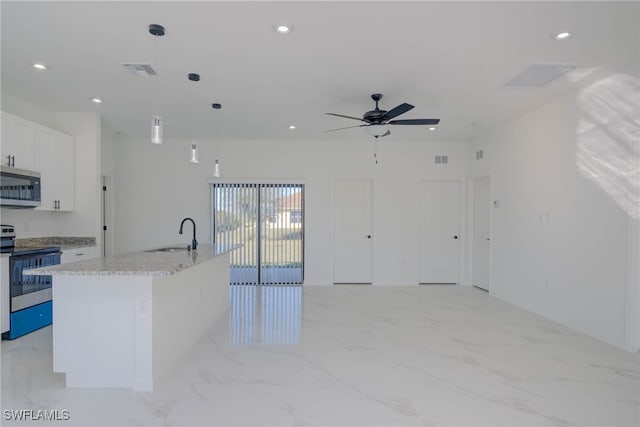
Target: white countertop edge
<point>142,263</point>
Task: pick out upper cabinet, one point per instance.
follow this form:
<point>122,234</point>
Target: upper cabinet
<point>18,142</point>
<point>28,145</point>
<point>54,159</point>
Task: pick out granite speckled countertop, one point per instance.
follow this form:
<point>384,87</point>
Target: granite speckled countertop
<point>62,242</point>
<point>145,263</point>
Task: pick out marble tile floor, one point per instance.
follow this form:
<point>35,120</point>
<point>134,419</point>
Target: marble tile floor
<point>356,356</point>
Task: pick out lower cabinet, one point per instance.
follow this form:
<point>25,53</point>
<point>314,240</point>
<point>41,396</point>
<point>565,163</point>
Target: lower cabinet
<point>30,319</point>
<point>78,254</point>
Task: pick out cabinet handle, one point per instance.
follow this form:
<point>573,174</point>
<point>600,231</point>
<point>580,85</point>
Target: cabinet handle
<point>9,160</point>
<point>13,161</point>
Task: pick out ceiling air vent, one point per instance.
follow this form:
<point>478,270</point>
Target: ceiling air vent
<point>442,160</point>
<point>142,70</point>
<point>538,75</point>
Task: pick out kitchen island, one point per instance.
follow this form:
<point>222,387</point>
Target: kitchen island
<point>126,321</point>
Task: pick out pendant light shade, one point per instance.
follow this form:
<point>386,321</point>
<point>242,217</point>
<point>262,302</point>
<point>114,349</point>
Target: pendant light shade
<point>194,153</point>
<point>156,130</point>
<point>216,169</point>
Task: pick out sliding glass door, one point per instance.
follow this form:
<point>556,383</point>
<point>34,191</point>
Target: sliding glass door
<point>268,221</point>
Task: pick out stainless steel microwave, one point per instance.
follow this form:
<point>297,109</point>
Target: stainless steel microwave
<point>19,188</point>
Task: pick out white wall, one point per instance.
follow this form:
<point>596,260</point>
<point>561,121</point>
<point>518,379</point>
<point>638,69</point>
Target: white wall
<point>85,219</point>
<point>561,241</point>
<point>156,187</point>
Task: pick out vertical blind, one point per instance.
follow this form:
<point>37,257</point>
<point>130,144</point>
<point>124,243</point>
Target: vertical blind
<point>268,221</point>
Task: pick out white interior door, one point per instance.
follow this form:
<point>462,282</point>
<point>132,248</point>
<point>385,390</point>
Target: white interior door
<point>481,233</point>
<point>352,239</point>
<point>439,232</point>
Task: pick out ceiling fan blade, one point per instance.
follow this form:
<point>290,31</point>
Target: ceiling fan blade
<point>348,127</point>
<point>415,122</point>
<point>346,117</point>
<point>395,112</point>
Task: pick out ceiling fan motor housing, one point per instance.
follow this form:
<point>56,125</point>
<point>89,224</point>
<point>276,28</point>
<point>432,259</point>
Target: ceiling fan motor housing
<point>374,116</point>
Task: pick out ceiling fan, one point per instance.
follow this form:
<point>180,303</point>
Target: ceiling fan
<point>376,121</point>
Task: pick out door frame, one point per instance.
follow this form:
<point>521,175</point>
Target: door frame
<point>259,182</point>
<point>107,214</point>
<point>471,221</point>
<point>333,228</point>
<point>461,226</point>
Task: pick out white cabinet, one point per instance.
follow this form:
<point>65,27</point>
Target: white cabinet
<point>28,145</point>
<point>4,294</point>
<point>54,159</point>
<point>18,142</point>
<point>78,254</point>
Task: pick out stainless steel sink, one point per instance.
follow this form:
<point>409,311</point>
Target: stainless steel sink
<point>171,249</point>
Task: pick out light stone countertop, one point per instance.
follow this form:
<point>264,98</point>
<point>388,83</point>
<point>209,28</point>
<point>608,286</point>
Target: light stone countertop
<point>62,242</point>
<point>143,263</point>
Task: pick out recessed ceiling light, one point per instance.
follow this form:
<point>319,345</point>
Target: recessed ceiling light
<point>292,126</point>
<point>563,35</point>
<point>432,128</point>
<point>283,28</point>
<point>97,100</point>
<point>39,66</point>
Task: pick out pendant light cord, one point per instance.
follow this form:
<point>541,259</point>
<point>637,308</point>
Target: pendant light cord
<point>157,76</point>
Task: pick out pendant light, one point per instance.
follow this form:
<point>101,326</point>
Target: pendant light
<point>156,129</point>
<point>194,153</point>
<point>156,121</point>
<point>194,77</point>
<point>216,164</point>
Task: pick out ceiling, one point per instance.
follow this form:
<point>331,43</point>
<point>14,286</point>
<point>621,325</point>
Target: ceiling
<point>449,59</point>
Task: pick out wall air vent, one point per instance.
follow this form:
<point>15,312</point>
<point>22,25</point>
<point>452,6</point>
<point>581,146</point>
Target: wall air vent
<point>142,70</point>
<point>442,160</point>
<point>538,75</point>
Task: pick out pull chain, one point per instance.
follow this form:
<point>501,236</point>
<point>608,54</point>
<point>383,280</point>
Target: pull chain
<point>375,151</point>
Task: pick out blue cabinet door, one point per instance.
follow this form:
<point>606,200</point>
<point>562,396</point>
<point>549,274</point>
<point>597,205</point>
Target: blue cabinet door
<point>30,319</point>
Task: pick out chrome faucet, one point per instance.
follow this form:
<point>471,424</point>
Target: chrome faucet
<point>194,242</point>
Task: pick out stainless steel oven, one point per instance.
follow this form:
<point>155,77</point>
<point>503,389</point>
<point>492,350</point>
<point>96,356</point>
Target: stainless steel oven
<point>30,305</point>
<point>27,291</point>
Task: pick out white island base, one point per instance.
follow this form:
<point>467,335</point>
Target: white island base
<point>129,328</point>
